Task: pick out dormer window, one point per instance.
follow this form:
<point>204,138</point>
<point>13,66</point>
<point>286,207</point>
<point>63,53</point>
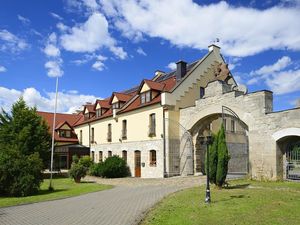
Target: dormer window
<point>146,97</point>
<point>86,116</point>
<point>98,112</point>
<point>64,133</point>
<point>116,105</point>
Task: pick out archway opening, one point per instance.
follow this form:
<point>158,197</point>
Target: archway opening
<point>288,157</point>
<point>236,140</point>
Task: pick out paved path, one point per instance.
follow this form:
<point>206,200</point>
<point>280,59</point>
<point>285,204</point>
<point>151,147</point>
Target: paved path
<point>123,205</point>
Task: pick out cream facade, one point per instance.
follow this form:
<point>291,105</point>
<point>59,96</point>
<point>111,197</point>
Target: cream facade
<point>158,125</point>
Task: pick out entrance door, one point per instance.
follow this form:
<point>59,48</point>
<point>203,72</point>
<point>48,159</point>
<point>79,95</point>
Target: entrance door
<point>137,164</point>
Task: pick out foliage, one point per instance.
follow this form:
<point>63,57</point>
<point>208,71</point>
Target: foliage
<point>25,131</point>
<point>79,168</point>
<point>218,159</point>
<point>96,169</point>
<point>112,167</point>
<point>24,150</point>
<point>75,158</point>
<point>20,175</point>
<point>223,158</point>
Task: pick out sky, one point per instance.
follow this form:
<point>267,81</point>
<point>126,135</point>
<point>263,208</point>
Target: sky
<point>96,47</point>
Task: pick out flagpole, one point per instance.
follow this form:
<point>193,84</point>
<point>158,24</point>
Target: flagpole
<point>53,130</point>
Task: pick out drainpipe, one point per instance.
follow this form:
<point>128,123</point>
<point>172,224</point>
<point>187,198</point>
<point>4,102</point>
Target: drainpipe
<point>89,136</point>
<point>164,141</point>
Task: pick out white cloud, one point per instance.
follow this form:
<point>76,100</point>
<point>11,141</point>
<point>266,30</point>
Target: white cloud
<point>91,36</point>
<point>2,69</point>
<point>284,82</point>
<point>281,64</point>
<point>54,68</point>
<point>11,43</point>
<point>54,63</point>
<point>67,101</point>
<point>141,51</point>
<point>24,20</point>
<point>172,66</point>
<point>187,24</point>
<point>98,65</point>
<point>62,27</point>
<point>56,16</point>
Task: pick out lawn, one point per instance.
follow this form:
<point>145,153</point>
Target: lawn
<point>63,187</point>
<point>243,202</point>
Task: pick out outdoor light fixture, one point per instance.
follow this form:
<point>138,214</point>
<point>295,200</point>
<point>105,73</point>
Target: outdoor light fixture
<point>207,140</point>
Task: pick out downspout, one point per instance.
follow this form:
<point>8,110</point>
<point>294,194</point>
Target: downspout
<point>164,142</point>
<point>89,136</point>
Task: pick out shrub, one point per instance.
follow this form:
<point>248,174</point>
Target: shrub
<point>75,158</point>
<point>223,158</point>
<point>218,159</point>
<point>86,161</point>
<point>77,171</point>
<point>114,167</point>
<point>96,169</point>
<point>20,175</point>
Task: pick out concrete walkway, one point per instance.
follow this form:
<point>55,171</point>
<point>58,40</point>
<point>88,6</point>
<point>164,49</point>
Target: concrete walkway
<point>123,205</point>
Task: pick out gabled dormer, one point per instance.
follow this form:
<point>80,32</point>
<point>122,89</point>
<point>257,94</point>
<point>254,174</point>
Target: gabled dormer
<point>64,129</point>
<point>149,90</point>
<point>88,111</point>
<point>117,100</point>
<point>101,107</point>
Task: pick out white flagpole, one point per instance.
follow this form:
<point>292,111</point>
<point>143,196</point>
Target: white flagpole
<point>53,130</point>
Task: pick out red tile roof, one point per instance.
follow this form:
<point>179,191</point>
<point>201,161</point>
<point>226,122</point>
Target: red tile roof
<point>154,85</point>
<point>122,97</point>
<point>90,108</point>
<point>104,103</point>
<point>61,118</point>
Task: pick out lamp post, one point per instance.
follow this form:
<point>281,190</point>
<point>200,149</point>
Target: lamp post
<point>207,140</point>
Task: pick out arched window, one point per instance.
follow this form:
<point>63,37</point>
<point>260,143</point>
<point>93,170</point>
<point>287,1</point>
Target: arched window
<point>109,154</point>
<point>124,155</point>
<point>152,158</point>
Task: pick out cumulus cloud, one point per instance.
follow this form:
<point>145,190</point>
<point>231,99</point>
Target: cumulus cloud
<point>24,20</point>
<point>67,102</point>
<point>11,43</point>
<point>98,65</point>
<point>197,25</point>
<point>91,36</point>
<point>141,51</point>
<point>2,69</point>
<point>54,63</point>
<point>172,66</point>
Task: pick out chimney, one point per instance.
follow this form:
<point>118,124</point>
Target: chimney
<point>180,70</point>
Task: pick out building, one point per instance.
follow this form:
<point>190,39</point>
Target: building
<point>65,138</point>
<point>156,126</point>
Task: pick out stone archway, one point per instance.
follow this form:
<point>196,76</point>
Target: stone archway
<point>236,138</point>
<point>288,153</point>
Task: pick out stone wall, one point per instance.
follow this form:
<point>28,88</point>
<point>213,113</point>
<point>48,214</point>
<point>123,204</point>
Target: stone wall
<point>255,110</point>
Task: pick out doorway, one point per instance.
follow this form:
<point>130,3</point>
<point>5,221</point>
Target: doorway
<point>137,163</point>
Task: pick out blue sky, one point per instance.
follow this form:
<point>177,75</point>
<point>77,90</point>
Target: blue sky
<point>100,46</point>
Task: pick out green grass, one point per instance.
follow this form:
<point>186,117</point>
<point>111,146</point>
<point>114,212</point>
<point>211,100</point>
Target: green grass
<point>63,187</point>
<point>243,202</point>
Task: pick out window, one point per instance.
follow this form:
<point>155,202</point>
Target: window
<point>124,155</point>
<point>124,129</point>
<point>65,133</point>
<point>93,135</point>
<point>232,126</point>
<point>100,156</point>
<point>98,112</point>
<point>109,154</point>
<point>109,133</point>
<point>86,116</point>
<point>224,123</point>
<point>202,92</point>
<point>93,156</point>
<point>152,125</point>
<point>152,158</point>
<point>116,105</point>
<point>146,97</point>
<point>80,137</point>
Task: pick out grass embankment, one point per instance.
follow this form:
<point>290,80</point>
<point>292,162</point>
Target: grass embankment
<point>243,202</point>
<point>63,187</point>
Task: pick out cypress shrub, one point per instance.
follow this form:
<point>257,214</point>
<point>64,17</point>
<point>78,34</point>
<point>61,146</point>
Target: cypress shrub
<point>223,158</point>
